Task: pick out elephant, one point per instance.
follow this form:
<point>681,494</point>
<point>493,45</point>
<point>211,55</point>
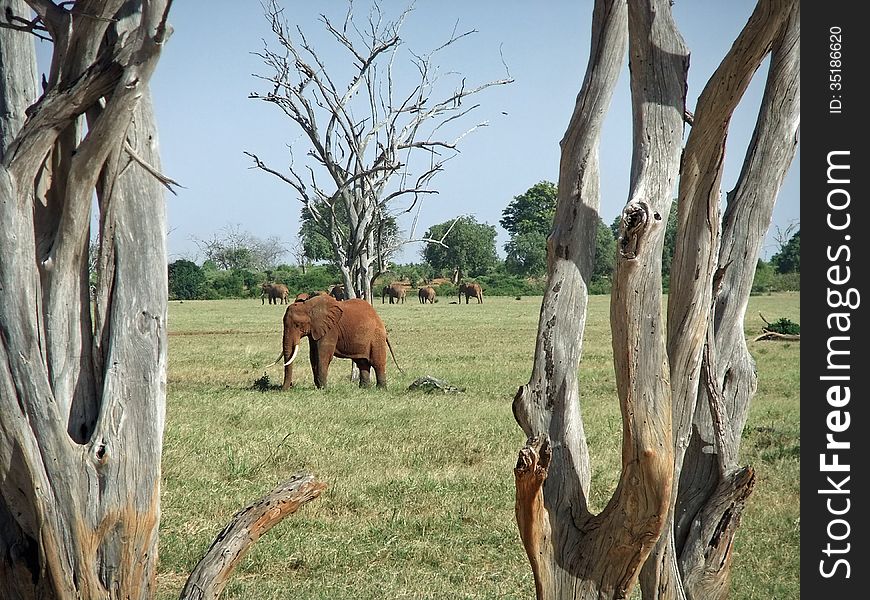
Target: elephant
<point>426,294</point>
<point>339,292</point>
<point>471,290</point>
<point>349,329</point>
<point>395,291</point>
<point>276,292</point>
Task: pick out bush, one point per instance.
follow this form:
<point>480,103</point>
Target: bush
<point>767,280</point>
<point>228,284</point>
<point>786,282</point>
<point>186,280</point>
<point>315,278</point>
<point>784,326</point>
<point>600,286</point>
<point>764,276</point>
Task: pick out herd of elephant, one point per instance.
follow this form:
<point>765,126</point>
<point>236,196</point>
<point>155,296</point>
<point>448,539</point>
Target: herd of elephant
<point>338,327</point>
<point>278,293</point>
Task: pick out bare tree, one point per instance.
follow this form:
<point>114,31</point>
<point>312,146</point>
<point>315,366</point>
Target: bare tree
<point>684,396</point>
<point>362,136</point>
<point>297,249</point>
<point>82,397</point>
<point>234,248</point>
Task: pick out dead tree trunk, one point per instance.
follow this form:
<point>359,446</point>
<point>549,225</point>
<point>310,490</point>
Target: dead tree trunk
<point>82,400</point>
<point>713,487</point>
<point>695,272</point>
<point>574,553</point>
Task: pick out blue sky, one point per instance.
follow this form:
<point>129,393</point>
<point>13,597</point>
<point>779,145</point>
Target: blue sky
<point>206,120</point>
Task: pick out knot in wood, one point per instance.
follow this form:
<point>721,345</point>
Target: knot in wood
<point>635,217</point>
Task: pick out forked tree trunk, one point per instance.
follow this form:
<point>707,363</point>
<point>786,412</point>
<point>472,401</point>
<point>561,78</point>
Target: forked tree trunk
<point>713,488</point>
<point>578,555</point>
<point>82,397</point>
<point>574,553</point>
<point>695,272</point>
<point>82,401</point>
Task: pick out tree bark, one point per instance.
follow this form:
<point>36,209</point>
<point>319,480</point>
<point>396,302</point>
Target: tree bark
<point>575,554</point>
<point>714,488</point>
<point>694,269</point>
<point>82,402</point>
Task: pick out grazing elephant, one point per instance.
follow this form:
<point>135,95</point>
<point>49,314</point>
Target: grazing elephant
<point>471,290</point>
<point>395,291</point>
<point>426,294</point>
<point>350,329</point>
<point>277,293</point>
<point>338,292</point>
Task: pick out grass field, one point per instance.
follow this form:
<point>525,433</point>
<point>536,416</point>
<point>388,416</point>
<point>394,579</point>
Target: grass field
<point>420,497</point>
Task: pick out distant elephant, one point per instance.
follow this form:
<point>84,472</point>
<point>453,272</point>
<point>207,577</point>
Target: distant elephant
<point>350,329</point>
<point>395,291</point>
<point>426,294</point>
<point>338,292</point>
<point>471,290</point>
<point>302,297</point>
<point>277,293</point>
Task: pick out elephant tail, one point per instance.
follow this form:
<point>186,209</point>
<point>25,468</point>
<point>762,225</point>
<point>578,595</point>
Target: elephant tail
<point>390,346</point>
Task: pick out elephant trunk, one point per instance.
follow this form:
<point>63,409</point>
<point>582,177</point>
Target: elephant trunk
<point>291,348</point>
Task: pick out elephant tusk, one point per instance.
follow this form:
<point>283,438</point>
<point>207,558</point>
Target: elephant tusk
<point>292,356</point>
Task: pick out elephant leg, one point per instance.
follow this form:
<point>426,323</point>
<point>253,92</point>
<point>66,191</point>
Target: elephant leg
<point>324,357</point>
<point>365,376</point>
<point>378,360</point>
<point>381,374</point>
<point>315,364</point>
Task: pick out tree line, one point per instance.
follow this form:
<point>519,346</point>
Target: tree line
<point>237,263</point>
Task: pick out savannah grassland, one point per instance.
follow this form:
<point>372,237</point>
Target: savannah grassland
<point>420,497</point>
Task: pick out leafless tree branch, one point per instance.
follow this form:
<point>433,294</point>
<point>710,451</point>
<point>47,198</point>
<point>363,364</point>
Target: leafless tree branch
<point>365,140</point>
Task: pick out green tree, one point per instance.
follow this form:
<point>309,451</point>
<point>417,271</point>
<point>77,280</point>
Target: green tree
<point>469,245</point>
<point>185,280</point>
<point>605,252</point>
<point>527,254</point>
<point>316,244</point>
<point>788,259</point>
<point>532,211</point>
<point>316,247</point>
<point>528,219</point>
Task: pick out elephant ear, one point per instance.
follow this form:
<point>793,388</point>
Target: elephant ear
<point>325,315</point>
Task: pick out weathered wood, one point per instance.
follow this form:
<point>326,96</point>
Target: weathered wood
<point>576,554</point>
<point>696,273</point>
<point>83,409</point>
<point>212,572</point>
<point>773,335</point>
